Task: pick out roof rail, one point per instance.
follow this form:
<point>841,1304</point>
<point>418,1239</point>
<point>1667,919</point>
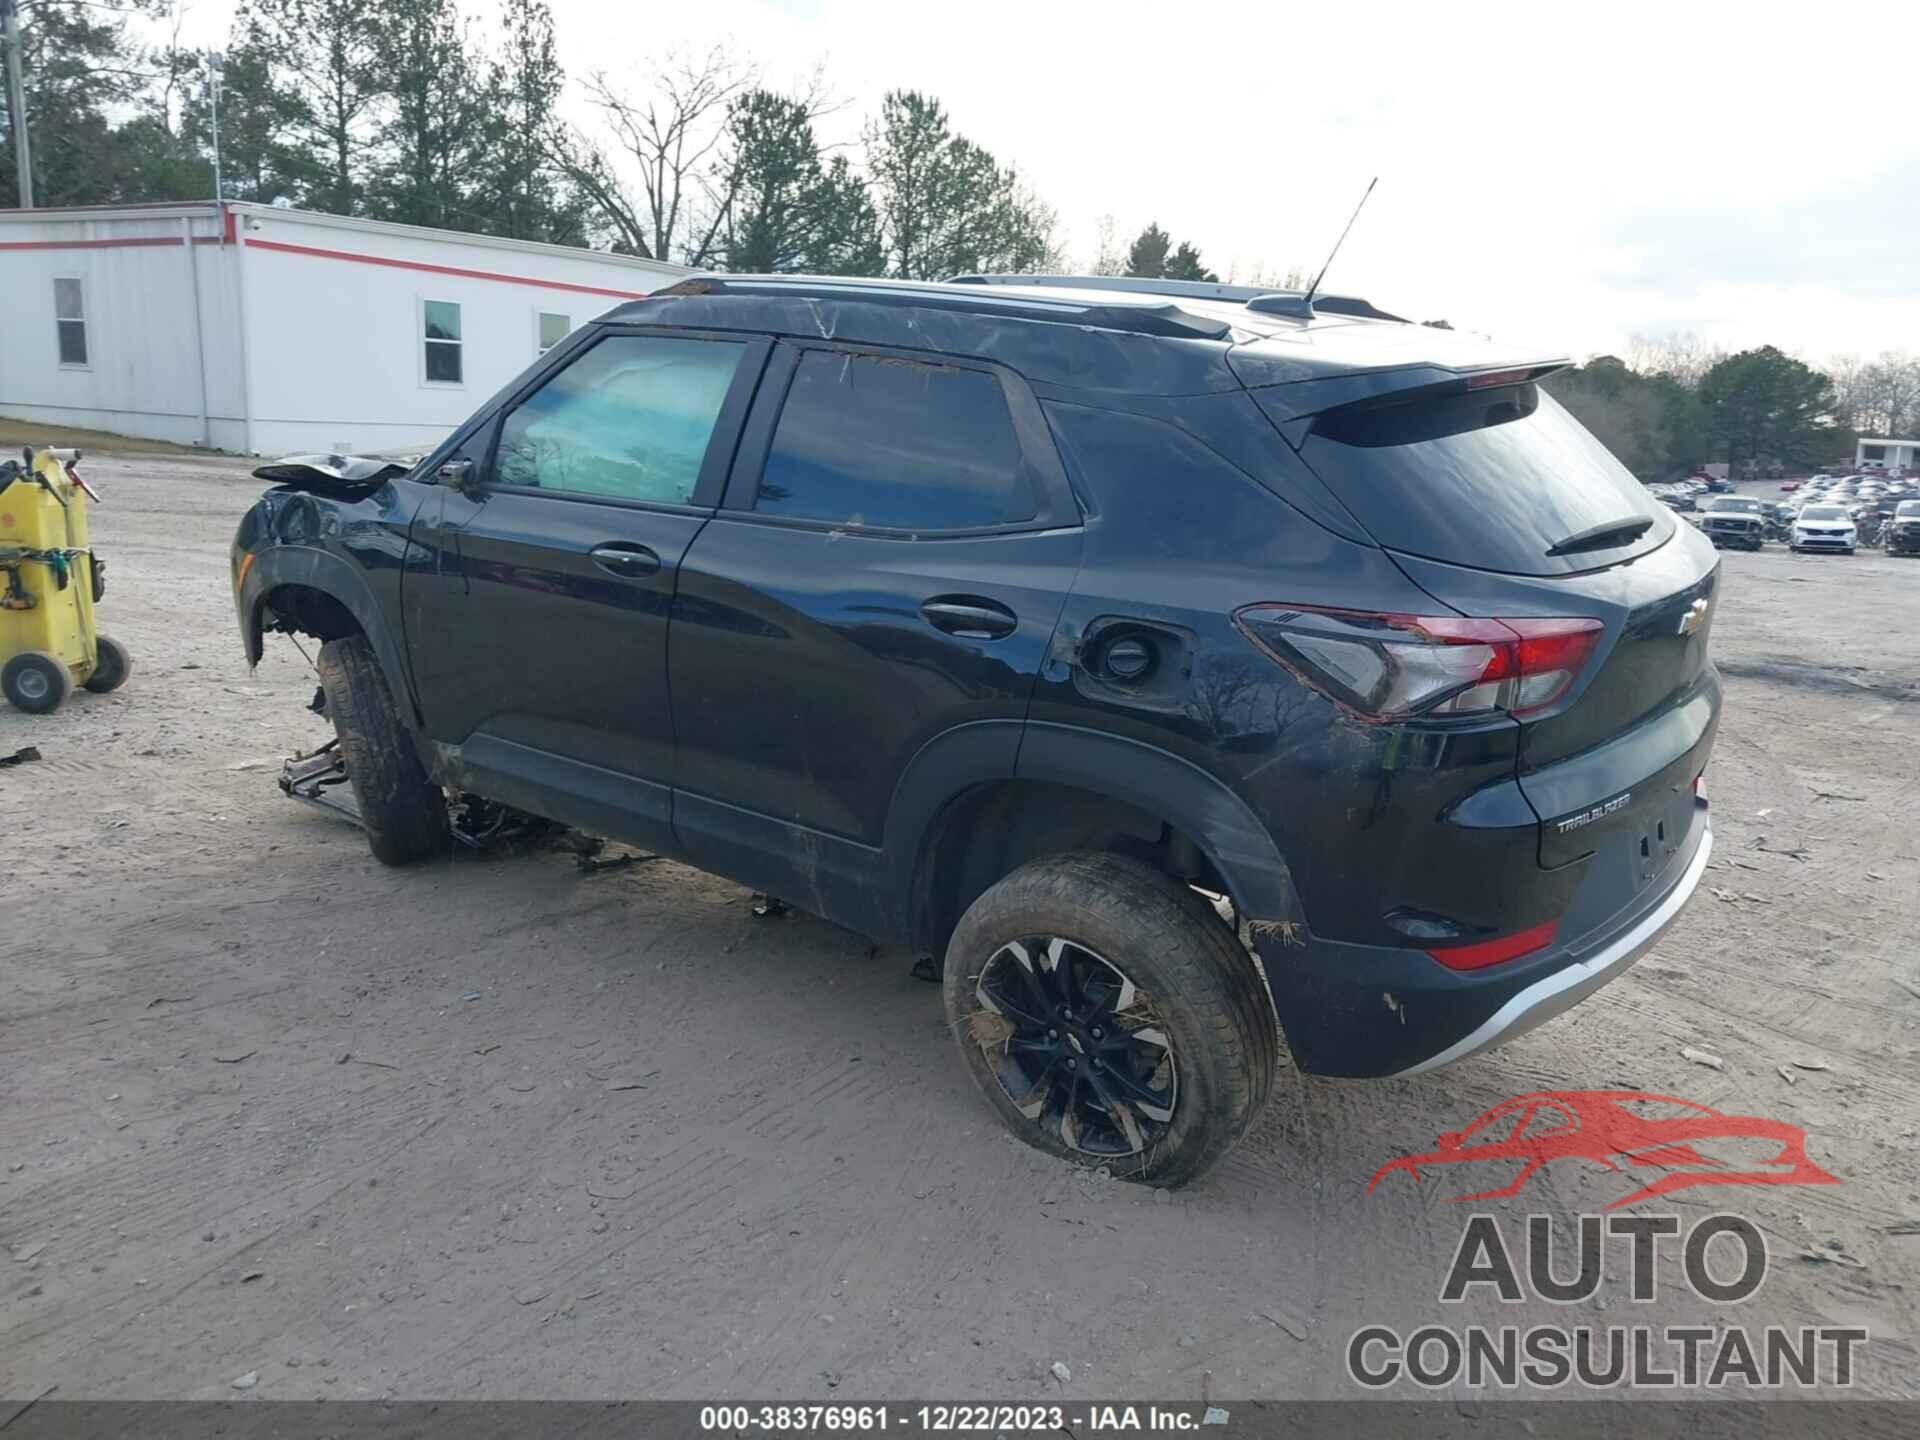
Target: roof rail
<point>1261,300</point>
<point>1139,314</point>
<point>1185,289</point>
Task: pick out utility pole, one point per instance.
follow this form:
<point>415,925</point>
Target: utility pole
<point>213,95</point>
<point>17,103</point>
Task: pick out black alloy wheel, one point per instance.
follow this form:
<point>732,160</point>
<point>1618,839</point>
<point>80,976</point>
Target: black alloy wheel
<point>1078,1048</point>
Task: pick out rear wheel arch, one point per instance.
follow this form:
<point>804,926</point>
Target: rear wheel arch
<point>952,835</point>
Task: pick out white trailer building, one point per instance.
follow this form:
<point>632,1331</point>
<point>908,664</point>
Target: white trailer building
<point>271,331</point>
<point>1884,452</point>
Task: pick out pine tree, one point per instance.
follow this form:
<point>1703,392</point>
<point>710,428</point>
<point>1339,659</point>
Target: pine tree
<point>1184,264</point>
<point>324,62</point>
<point>781,208</point>
<point>436,132</point>
<point>1147,257</point>
<point>80,69</point>
<point>945,205</point>
<point>522,192</point>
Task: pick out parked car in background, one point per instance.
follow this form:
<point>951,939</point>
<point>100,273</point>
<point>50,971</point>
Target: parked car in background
<point>1734,520</point>
<point>1903,530</point>
<point>1824,528</point>
<point>1675,497</point>
<point>999,622</point>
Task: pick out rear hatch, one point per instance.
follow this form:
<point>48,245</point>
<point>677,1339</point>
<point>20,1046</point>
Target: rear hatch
<point>1498,503</point>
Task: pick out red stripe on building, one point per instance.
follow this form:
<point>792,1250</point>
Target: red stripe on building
<point>442,269</point>
<point>130,243</point>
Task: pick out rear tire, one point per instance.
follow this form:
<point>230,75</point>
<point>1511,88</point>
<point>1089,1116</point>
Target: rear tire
<point>36,682</point>
<point>1151,968</point>
<point>112,664</point>
<point>404,811</point>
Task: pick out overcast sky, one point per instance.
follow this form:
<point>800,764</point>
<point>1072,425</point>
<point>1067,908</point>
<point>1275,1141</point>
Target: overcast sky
<point>1566,175</point>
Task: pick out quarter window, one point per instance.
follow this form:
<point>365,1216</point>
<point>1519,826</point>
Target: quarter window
<point>70,320</point>
<point>553,329</point>
<point>441,322</point>
<point>630,419</point>
<point>866,440</point>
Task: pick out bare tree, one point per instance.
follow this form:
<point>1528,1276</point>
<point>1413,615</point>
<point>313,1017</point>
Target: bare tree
<point>1681,355</point>
<point>1268,277</point>
<point>1849,390</point>
<point>1889,392</point>
<point>669,132</point>
<point>1108,257</point>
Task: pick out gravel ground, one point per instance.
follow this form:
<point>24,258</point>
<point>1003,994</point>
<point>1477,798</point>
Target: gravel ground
<point>497,1128</point>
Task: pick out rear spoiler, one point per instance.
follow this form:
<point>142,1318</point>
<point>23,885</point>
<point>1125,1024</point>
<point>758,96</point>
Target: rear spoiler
<point>1290,384</point>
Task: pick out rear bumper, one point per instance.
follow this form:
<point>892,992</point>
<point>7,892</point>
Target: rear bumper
<point>1565,988</point>
<point>1363,1011</point>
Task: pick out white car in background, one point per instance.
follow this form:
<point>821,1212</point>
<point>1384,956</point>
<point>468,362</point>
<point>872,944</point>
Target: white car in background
<point>1824,527</point>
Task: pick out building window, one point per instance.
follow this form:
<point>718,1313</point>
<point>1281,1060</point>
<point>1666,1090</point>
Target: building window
<point>551,329</point>
<point>442,324</point>
<point>1873,452</point>
<point>70,319</point>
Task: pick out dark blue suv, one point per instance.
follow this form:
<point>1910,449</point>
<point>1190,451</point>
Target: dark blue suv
<point>1169,661</point>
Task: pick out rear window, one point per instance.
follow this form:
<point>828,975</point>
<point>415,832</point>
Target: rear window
<point>1494,479</point>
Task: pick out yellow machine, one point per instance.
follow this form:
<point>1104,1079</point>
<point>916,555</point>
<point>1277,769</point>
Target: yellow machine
<point>49,584</point>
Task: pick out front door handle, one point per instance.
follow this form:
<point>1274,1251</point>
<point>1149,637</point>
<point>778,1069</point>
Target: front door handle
<point>970,617</point>
<point>629,562</point>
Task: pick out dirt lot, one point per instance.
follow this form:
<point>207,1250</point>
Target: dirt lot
<point>496,1128</point>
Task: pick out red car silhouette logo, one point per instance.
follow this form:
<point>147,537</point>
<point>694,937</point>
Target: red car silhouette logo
<point>1612,1127</point>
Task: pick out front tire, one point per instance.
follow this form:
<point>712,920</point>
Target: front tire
<point>1111,1017</point>
<point>36,682</point>
<point>404,811</point>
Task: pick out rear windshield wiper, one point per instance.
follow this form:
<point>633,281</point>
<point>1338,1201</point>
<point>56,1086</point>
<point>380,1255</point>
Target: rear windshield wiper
<point>1605,537</point>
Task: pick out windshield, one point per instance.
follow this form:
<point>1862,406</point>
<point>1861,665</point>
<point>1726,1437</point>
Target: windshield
<point>1745,507</point>
<point>1823,512</point>
<point>1909,510</point>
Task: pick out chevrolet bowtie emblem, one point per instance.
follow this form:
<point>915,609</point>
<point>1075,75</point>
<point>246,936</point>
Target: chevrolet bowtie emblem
<point>1695,617</point>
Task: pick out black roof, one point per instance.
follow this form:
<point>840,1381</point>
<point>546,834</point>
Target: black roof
<point>1083,335</point>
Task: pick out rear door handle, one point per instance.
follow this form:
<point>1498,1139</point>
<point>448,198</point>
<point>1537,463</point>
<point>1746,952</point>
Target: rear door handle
<point>970,617</point>
<point>629,562</point>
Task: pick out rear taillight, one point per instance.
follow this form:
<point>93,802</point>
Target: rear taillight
<point>1479,954</point>
<point>1395,667</point>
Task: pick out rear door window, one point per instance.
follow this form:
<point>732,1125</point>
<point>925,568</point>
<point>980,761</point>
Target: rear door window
<point>877,441</point>
<point>1493,479</point>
